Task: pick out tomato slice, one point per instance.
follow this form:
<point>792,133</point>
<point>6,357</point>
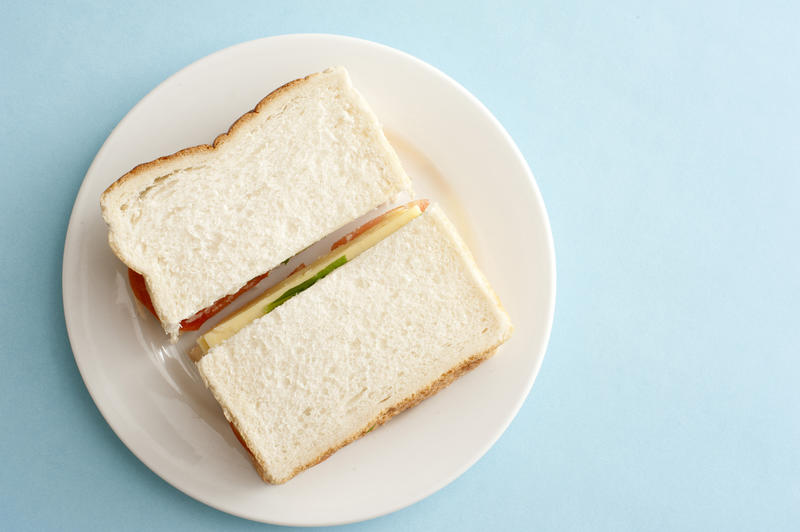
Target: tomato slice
<point>421,203</point>
<point>196,321</point>
<point>139,288</point>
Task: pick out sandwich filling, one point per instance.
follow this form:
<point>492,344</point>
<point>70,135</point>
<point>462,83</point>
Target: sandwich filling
<point>343,250</point>
<point>139,288</point>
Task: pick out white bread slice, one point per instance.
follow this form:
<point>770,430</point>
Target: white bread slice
<point>199,224</point>
<point>376,336</point>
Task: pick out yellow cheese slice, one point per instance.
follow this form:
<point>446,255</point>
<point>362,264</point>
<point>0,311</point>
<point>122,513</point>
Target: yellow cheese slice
<point>393,221</point>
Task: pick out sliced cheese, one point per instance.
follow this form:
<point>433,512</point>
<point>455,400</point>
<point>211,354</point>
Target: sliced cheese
<point>393,221</point>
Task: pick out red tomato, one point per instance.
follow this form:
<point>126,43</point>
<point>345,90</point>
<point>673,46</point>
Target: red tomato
<point>195,322</point>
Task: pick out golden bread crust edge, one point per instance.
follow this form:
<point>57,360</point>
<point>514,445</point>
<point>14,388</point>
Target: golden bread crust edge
<point>440,383</point>
<point>218,141</point>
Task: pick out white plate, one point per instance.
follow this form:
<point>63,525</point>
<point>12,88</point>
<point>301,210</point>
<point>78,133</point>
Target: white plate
<point>151,394</point>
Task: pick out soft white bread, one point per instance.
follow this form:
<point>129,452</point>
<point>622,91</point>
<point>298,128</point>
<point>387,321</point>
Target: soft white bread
<point>199,224</point>
<point>374,337</point>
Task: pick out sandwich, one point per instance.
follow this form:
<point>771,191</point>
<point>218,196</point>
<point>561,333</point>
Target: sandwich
<point>395,312</point>
<point>199,227</point>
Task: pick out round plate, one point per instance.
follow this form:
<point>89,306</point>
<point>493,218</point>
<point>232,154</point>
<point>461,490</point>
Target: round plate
<point>150,392</point>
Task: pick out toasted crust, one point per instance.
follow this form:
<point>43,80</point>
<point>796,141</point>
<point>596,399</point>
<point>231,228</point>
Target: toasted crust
<point>412,400</point>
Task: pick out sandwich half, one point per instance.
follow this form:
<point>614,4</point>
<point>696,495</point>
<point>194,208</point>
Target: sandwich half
<point>199,226</point>
<point>393,314</point>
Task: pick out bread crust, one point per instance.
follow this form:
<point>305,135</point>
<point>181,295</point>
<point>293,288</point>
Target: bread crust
<point>218,141</point>
<point>440,383</point>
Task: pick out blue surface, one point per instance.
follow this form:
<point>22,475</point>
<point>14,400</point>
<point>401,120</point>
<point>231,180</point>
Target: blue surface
<point>666,142</point>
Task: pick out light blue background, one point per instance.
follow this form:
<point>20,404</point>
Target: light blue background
<point>666,141</point>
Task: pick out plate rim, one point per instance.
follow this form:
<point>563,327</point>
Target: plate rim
<point>540,350</point>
